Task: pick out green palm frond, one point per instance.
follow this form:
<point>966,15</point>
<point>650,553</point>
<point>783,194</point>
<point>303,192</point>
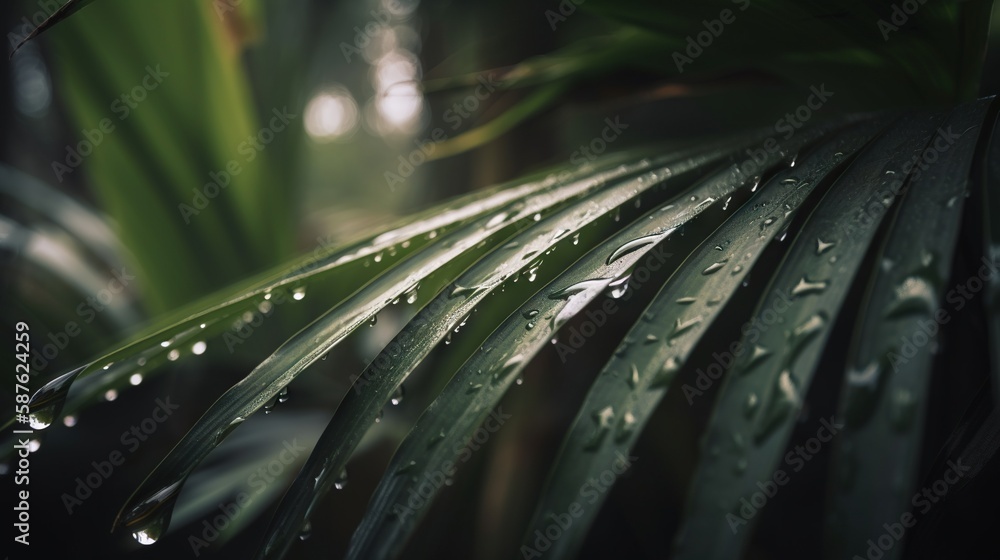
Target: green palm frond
<point>839,211</point>
<point>733,296</point>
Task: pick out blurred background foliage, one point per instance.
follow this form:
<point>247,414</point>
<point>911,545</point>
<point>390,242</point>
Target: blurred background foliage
<point>363,85</point>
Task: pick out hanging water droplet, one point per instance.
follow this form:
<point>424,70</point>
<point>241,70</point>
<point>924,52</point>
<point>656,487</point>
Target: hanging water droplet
<point>135,379</point>
<point>341,481</point>
<point>150,517</point>
<point>619,287</point>
<point>576,238</point>
<point>411,294</point>
<point>299,293</point>
<point>198,348</point>
<point>46,404</point>
<point>373,320</point>
<point>306,531</point>
<point>397,395</point>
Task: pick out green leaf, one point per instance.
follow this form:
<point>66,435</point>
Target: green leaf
<point>67,9</point>
<point>342,261</point>
<point>630,387</point>
<point>809,292</point>
<point>526,254</point>
<point>480,383</point>
<point>885,390</point>
<point>148,511</point>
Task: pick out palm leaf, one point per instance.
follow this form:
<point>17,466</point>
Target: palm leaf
<point>148,511</point>
<point>813,214</point>
<point>885,391</point>
<point>630,387</point>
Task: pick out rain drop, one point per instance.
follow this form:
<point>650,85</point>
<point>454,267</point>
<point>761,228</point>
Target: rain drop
<point>397,395</point>
<point>713,268</point>
<point>682,326</point>
<point>823,246</point>
<point>806,286</point>
<point>634,245</point>
<point>341,481</point>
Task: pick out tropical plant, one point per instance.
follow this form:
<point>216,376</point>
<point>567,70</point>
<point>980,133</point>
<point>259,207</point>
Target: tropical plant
<point>727,300</point>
